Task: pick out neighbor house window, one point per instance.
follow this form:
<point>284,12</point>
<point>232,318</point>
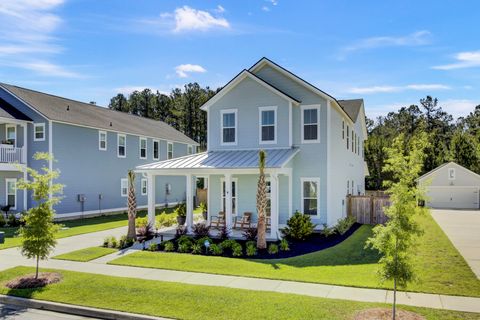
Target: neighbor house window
<point>156,148</point>
<point>310,124</point>
<point>268,124</point>
<point>310,195</point>
<point>348,186</point>
<point>451,174</point>
<point>229,126</point>
<point>11,134</point>
<point>348,137</point>
<point>102,140</point>
<point>11,190</point>
<point>352,142</point>
<point>143,148</point>
<point>352,186</point>
<point>189,149</point>
<point>124,187</point>
<point>343,129</point>
<point>122,145</point>
<point>169,150</point>
<point>143,187</point>
<point>39,132</point>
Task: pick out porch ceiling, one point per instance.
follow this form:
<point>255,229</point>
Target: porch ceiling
<point>231,159</point>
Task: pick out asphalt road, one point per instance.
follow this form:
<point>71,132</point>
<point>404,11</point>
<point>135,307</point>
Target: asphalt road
<point>8,312</point>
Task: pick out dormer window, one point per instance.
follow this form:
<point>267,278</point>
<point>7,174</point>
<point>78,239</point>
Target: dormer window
<point>310,124</point>
<point>268,124</point>
<point>229,127</point>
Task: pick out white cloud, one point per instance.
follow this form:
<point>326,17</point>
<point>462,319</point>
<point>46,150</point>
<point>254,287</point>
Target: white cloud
<point>265,8</point>
<point>467,59</point>
<point>48,69</point>
<point>274,2</point>
<point>387,89</point>
<point>183,70</point>
<point>459,107</point>
<point>417,38</point>
<point>219,9</point>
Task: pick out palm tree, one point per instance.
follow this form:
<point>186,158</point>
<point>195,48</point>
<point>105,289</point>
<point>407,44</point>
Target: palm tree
<point>261,202</point>
<point>132,206</point>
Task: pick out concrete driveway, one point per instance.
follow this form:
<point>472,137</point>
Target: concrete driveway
<point>462,228</point>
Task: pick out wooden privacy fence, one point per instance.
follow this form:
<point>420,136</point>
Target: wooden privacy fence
<point>368,209</point>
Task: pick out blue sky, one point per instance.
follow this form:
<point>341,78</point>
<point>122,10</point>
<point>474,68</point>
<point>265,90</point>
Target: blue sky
<point>391,53</point>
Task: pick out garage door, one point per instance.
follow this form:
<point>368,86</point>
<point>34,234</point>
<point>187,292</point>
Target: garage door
<point>453,197</point>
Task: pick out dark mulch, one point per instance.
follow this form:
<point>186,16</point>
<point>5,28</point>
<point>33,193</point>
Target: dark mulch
<point>316,242</point>
<point>386,314</point>
<point>29,282</point>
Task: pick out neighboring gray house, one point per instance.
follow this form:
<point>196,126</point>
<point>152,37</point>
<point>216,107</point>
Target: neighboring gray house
<point>451,186</point>
<point>314,145</point>
<point>94,148</point>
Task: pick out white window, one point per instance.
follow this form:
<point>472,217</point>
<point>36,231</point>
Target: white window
<point>122,145</point>
<point>451,174</point>
<point>169,150</point>
<point>11,192</point>
<point>143,148</point>
<point>39,132</point>
<point>310,196</point>
<point>354,149</point>
<point>102,140</point>
<point>143,187</point>
<point>348,137</point>
<point>348,187</point>
<point>229,126</point>
<point>352,142</point>
<point>310,124</point>
<point>11,134</point>
<point>189,149</point>
<point>156,148</point>
<point>234,195</point>
<point>124,187</point>
<point>268,124</point>
<point>343,129</point>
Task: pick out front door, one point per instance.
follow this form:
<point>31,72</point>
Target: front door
<point>234,195</point>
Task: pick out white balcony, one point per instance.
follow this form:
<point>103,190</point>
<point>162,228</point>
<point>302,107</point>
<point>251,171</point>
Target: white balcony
<point>11,154</point>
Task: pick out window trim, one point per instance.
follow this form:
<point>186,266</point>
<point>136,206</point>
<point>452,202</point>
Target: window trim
<point>8,180</point>
<point>143,184</point>
<point>41,125</point>
<point>302,131</point>
<point>100,132</point>
<point>168,151</point>
<point>118,145</point>
<point>158,149</point>
<point>260,125</point>
<point>14,126</point>
<point>123,180</point>
<point>310,179</point>
<point>140,139</point>
<point>189,149</point>
<point>222,112</point>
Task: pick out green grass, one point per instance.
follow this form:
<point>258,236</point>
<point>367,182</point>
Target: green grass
<point>185,301</point>
<point>87,254</point>
<point>439,266</point>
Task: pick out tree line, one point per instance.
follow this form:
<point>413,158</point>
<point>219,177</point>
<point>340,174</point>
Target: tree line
<point>448,139</point>
<point>180,109</point>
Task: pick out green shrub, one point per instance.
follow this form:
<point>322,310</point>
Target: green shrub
<point>202,240</point>
<point>237,250</point>
<point>326,231</point>
<point>343,225</point>
<point>2,220</point>
<point>186,240</point>
<point>169,246</point>
<point>122,241</point>
<point>197,248</point>
<point>106,240</point>
<point>152,246</point>
<point>228,244</point>
<point>141,222</point>
<point>184,247</point>
<point>164,220</point>
<point>12,220</point>
<point>215,249</point>
<point>284,246</point>
<point>181,210</point>
<point>112,243</point>
<point>273,248</point>
<point>299,227</point>
<point>251,248</point>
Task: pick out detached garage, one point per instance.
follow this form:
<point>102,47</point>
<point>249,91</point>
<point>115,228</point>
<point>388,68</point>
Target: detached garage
<point>452,186</point>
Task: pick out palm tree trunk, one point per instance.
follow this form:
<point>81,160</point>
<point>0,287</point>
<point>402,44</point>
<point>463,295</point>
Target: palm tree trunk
<point>132,206</point>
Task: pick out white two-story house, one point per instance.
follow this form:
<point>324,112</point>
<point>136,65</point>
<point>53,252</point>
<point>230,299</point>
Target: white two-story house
<point>314,146</point>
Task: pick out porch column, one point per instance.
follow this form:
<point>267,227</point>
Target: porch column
<point>290,193</point>
<point>189,199</point>
<point>25,142</point>
<point>274,205</point>
<point>151,198</point>
<point>228,200</point>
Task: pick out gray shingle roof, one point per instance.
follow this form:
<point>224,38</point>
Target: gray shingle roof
<point>8,111</point>
<point>352,107</point>
<point>75,112</point>
<point>231,159</point>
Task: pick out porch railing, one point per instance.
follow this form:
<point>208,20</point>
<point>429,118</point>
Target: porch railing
<point>11,154</point>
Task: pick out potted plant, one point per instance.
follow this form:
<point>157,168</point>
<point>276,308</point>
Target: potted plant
<point>181,212</point>
<point>203,207</point>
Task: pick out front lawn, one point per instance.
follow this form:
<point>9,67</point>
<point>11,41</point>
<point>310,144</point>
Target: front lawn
<point>440,268</point>
<point>87,254</point>
<point>185,301</point>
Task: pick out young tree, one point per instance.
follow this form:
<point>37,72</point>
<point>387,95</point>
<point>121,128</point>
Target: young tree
<point>38,233</point>
<point>397,237</point>
<point>261,202</point>
<point>132,206</point>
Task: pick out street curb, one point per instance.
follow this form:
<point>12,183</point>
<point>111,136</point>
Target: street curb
<point>74,309</point>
